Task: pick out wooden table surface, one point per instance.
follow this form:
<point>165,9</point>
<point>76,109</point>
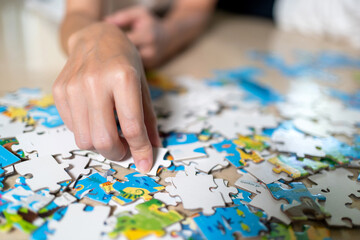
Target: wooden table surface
<point>30,56</point>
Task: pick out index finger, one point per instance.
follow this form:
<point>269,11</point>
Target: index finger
<point>129,107</point>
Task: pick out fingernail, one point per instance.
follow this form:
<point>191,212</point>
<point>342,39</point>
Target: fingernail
<point>144,166</point>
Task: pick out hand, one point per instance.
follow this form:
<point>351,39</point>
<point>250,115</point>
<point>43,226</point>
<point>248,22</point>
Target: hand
<point>104,72</point>
<point>145,30</point>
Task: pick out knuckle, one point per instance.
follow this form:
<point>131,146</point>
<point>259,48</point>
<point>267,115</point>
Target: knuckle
<point>90,81</point>
<point>57,90</point>
<point>125,75</point>
<point>104,144</point>
<point>71,89</point>
<point>83,142</point>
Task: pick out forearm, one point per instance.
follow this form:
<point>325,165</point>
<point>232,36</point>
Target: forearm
<point>73,23</point>
<point>185,23</point>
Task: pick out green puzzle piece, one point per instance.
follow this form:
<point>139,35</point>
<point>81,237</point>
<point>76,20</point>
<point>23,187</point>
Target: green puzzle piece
<point>149,220</point>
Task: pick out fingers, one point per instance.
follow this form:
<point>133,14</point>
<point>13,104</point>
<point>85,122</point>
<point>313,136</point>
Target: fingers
<point>126,17</point>
<point>150,117</point>
<point>128,102</point>
<point>103,128</point>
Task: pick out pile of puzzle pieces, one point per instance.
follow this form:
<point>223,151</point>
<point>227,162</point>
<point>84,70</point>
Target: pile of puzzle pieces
<point>238,160</point>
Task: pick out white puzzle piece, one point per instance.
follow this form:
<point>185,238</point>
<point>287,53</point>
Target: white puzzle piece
<point>53,142</point>
<point>80,224</point>
<point>45,171</point>
<point>323,128</point>
<point>294,142</point>
<point>337,187</point>
<point>194,191</point>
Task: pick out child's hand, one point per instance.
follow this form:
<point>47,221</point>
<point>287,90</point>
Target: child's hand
<point>145,30</point>
<point>104,72</point>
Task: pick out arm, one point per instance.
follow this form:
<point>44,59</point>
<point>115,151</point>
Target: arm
<point>104,72</point>
<point>158,39</point>
<point>79,14</point>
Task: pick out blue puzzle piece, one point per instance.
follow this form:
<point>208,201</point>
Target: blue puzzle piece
<point>230,148</point>
<point>136,186</point>
<point>227,221</point>
<point>297,192</point>
<point>7,158</point>
<point>90,186</point>
<point>179,139</point>
<point>50,116</point>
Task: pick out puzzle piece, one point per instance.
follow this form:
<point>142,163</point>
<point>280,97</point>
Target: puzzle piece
<point>79,223</point>
<point>295,142</point>
<point>323,128</point>
<point>227,221</point>
<point>194,191</point>
<point>302,204</point>
<point>263,199</point>
<point>230,123</point>
<point>20,220</point>
<point>136,186</point>
<point>337,187</point>
<point>150,220</point>
<point>49,177</point>
<point>263,171</point>
<point>47,143</point>
<point>214,160</point>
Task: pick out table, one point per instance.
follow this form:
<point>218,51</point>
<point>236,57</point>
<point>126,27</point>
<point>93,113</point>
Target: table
<point>30,56</point>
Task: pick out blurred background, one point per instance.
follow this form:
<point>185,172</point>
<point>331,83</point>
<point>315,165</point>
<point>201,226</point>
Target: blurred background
<point>31,56</point>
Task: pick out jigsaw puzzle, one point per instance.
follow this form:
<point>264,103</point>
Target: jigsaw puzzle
<point>232,148</point>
